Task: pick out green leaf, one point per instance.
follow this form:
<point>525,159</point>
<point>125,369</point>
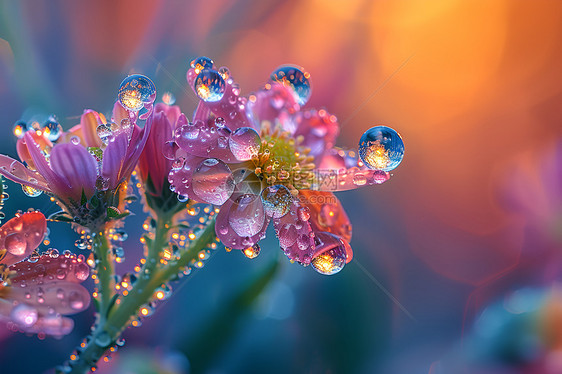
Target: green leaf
<point>83,199</point>
<point>113,212</point>
<point>95,201</point>
<point>61,216</point>
<point>111,304</point>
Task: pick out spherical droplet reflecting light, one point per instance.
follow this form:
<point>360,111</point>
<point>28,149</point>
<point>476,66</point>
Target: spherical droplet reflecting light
<point>276,200</point>
<point>202,63</point>
<point>381,148</point>
<point>296,79</point>
<point>213,181</point>
<point>209,86</point>
<point>244,143</point>
<point>52,129</point>
<point>136,91</point>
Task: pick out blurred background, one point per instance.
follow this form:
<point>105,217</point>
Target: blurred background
<point>457,257</point>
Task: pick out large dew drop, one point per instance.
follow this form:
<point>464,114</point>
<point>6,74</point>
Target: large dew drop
<point>276,200</point>
<point>332,255</point>
<point>209,86</point>
<point>201,63</point>
<point>52,129</point>
<point>247,216</point>
<point>296,79</point>
<point>136,91</point>
<point>16,243</point>
<point>244,143</point>
<point>381,148</point>
<point>213,182</point>
<point>30,191</point>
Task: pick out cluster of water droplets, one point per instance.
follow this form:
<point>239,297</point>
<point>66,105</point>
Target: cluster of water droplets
<point>209,84</point>
<point>50,128</point>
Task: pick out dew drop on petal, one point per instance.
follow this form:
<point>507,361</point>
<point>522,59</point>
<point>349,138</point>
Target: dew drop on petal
<point>136,91</point>
<point>202,63</point>
<point>209,86</point>
<point>296,79</point>
<point>52,129</point>
<point>244,143</point>
<point>276,200</point>
<point>75,140</point>
<point>16,244</point>
<point>304,213</point>
<point>330,262</point>
<point>24,315</point>
<point>170,149</point>
<point>381,148</point>
<point>253,251</point>
<point>379,177</point>
<point>30,191</point>
<point>81,271</point>
<point>246,215</point>
<point>75,300</point>
<point>213,182</point>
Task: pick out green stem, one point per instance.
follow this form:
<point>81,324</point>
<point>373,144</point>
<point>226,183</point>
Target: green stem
<point>105,271</point>
<point>152,276</point>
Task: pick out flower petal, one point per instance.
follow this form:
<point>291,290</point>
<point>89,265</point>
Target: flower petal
<point>113,159</point>
<point>134,149</point>
<point>17,172</point>
<point>181,175</point>
<point>319,130</point>
<point>49,268</point>
<point>152,160</point>
<point>21,235</point>
<point>274,104</point>
<point>61,296</point>
<point>77,166</point>
<point>226,233</point>
<point>89,122</point>
<point>203,139</point>
<point>326,213</point>
<point>54,325</point>
<point>172,112</point>
<point>295,235</point>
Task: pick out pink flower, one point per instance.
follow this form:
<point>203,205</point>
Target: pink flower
<point>35,294</point>
<point>70,172</point>
<point>263,159</point>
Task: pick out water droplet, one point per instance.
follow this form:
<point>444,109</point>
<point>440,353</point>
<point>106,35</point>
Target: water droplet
<point>52,129</point>
<point>61,274</point>
<point>75,140</point>
<point>75,300</point>
<point>276,200</point>
<point>102,183</point>
<point>359,179</point>
<point>296,79</point>
<point>103,339</point>
<point>304,213</point>
<point>213,182</point>
<point>183,198</point>
<point>246,215</point>
<point>24,315</point>
<point>209,86</point>
<point>81,243</point>
<point>60,294</point>
<point>224,72</point>
<point>287,236</point>
<point>381,148</point>
<point>244,143</point>
<point>105,134</point>
<point>16,244</point>
<point>168,98</point>
<point>333,254</point>
<point>220,122</point>
<point>136,91</point>
<point>253,251</point>
<point>81,271</point>
<point>20,128</point>
<point>202,63</point>
<point>380,176</point>
<point>119,252</point>
<point>170,149</point>
<point>120,235</point>
<point>30,191</point>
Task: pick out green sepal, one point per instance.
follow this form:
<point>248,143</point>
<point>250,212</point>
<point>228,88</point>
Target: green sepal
<point>61,216</point>
<point>83,199</point>
<point>113,212</point>
<point>111,304</point>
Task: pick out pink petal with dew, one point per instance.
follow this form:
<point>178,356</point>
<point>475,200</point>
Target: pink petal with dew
<point>57,183</point>
<point>48,268</point>
<point>203,140</point>
<point>227,234</point>
<point>181,175</point>
<point>17,172</point>
<point>231,107</point>
<point>134,149</point>
<point>347,179</point>
<point>77,166</point>
<point>325,212</point>
<point>89,122</point>
<point>23,152</point>
<point>319,130</point>
<point>21,235</point>
<point>61,296</point>
<point>295,234</point>
<point>53,325</point>
<point>274,104</point>
<point>113,159</point>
